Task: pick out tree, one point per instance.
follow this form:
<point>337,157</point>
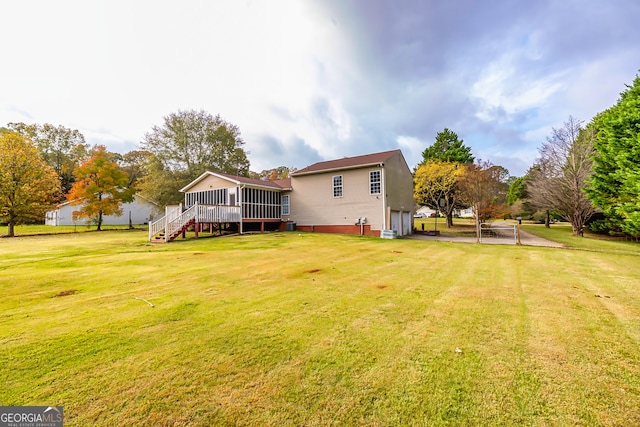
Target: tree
<point>161,184</point>
<point>562,173</point>
<point>615,183</point>
<point>190,143</point>
<point>62,148</point>
<point>517,190</point>
<point>28,186</point>
<point>134,164</point>
<point>435,184</point>
<point>100,187</point>
<point>483,186</point>
<point>281,172</point>
<point>448,148</point>
<point>518,197</point>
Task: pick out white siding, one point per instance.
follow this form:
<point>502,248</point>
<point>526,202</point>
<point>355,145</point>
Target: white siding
<point>141,211</point>
<point>312,201</point>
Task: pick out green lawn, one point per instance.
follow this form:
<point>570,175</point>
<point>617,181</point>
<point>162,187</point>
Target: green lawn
<point>461,226</point>
<point>310,329</point>
<point>38,229</point>
<point>561,232</point>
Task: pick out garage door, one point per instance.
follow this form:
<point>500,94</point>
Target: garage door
<point>407,224</point>
<point>395,222</point>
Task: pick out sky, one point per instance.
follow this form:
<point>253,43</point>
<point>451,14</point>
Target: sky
<point>313,80</point>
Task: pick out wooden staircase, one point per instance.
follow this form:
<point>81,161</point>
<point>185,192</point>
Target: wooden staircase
<point>172,225</point>
<point>161,237</point>
<point>177,221</point>
<point>158,238</point>
<point>181,230</point>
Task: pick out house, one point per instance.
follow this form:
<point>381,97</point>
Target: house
<point>357,195</point>
<point>331,196</point>
<point>464,213</point>
<point>425,212</point>
<point>139,211</point>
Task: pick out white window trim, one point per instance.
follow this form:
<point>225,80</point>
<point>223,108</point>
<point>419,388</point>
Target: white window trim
<point>334,186</point>
<point>379,182</point>
<point>286,207</point>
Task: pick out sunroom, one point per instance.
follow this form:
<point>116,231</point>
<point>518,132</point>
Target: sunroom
<point>217,202</point>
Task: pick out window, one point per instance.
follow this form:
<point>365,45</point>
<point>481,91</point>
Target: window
<point>374,182</point>
<point>337,186</point>
<point>285,205</point>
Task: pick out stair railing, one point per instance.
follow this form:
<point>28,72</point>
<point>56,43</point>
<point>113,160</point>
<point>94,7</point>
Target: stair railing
<point>156,227</point>
<point>175,226</point>
<point>174,220</point>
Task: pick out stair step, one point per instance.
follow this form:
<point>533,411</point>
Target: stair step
<point>162,236</point>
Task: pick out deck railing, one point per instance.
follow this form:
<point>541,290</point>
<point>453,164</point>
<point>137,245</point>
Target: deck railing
<point>175,220</point>
<point>218,213</point>
<point>173,212</point>
<point>174,225</point>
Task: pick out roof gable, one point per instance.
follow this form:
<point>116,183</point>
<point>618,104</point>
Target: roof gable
<point>347,163</point>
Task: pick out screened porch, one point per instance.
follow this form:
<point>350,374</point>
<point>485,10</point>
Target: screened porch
<point>257,205</point>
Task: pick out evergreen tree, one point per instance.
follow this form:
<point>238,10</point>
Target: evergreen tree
<point>448,148</point>
<point>615,183</point>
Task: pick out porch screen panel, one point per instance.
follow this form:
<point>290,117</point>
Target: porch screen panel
<point>207,197</point>
<point>254,212</point>
<point>261,204</point>
<point>244,202</point>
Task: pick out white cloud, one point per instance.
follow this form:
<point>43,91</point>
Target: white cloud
<point>310,79</point>
<point>412,149</point>
<point>503,89</point>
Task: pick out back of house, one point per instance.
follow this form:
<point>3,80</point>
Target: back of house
<point>365,194</point>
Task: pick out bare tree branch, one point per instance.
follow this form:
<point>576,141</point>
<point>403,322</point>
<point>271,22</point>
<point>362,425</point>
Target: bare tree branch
<point>557,182</point>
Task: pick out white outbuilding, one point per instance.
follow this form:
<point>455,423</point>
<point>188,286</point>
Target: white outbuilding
<point>139,211</point>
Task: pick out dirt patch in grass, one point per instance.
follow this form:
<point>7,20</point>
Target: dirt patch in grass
<point>313,270</point>
<point>66,293</point>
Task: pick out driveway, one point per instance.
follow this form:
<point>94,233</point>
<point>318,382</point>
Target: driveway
<point>527,239</point>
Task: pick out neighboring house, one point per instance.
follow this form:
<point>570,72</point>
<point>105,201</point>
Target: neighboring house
<point>425,212</point>
<point>356,195</point>
<point>464,213</point>
<point>140,211</point>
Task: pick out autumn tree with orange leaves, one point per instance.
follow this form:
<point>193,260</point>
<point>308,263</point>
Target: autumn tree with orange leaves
<point>483,187</point>
<point>28,186</point>
<point>101,187</point>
